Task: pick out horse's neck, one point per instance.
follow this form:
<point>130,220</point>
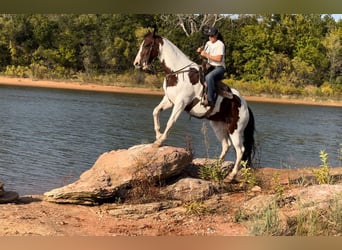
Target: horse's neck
<point>173,57</point>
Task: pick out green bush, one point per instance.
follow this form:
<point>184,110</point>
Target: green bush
<point>17,71</point>
<point>323,173</point>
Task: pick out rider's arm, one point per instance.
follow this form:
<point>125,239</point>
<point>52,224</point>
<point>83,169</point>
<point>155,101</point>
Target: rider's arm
<point>216,58</point>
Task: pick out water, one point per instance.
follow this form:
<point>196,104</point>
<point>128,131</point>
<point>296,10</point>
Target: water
<point>49,137</point>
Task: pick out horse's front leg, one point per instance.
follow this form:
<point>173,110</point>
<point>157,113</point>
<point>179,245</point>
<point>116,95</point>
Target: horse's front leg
<point>177,110</point>
<point>164,104</point>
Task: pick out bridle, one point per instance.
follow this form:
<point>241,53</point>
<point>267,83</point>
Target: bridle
<point>148,56</point>
<point>146,59</point>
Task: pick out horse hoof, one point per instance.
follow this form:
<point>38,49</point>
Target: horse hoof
<point>156,145</point>
<point>229,179</point>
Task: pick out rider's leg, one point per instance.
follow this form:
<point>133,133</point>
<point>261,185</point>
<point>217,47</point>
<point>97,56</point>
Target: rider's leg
<point>210,78</point>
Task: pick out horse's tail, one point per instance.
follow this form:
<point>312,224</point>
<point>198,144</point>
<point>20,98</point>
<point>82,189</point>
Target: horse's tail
<point>248,142</point>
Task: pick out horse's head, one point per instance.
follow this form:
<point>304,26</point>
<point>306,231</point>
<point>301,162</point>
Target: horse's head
<point>148,51</point>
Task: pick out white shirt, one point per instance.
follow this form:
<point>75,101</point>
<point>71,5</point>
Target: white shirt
<point>216,48</point>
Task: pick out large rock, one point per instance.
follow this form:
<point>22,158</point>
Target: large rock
<point>115,171</point>
<point>190,189</point>
<point>2,191</point>
<point>7,196</point>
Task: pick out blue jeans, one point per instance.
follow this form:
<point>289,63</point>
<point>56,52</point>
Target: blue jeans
<point>216,74</point>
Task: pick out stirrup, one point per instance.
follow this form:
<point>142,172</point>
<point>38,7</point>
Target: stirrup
<point>204,100</point>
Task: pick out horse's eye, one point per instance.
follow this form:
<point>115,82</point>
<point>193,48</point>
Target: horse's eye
<point>147,45</point>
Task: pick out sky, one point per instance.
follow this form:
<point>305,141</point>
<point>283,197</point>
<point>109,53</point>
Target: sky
<point>337,16</point>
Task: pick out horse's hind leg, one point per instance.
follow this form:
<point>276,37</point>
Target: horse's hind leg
<point>237,142</point>
<point>222,135</point>
<point>163,105</point>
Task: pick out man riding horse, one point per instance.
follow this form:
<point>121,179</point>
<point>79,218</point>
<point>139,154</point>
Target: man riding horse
<point>214,52</point>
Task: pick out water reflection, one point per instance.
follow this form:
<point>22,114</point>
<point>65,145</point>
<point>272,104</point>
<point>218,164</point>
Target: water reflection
<point>49,137</point>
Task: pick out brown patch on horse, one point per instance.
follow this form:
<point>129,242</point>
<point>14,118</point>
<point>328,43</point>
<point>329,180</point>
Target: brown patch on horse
<point>171,80</point>
<point>229,113</point>
<point>194,76</point>
<point>155,41</point>
<point>150,48</point>
<point>171,77</point>
<point>223,90</point>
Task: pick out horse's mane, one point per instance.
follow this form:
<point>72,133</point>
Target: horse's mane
<point>175,49</point>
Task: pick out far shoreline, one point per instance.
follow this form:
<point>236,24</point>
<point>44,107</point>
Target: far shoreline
<point>26,82</point>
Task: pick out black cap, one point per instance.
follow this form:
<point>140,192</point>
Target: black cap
<point>212,31</point>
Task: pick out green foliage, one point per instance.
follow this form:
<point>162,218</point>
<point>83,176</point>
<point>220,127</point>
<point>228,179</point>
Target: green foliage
<point>326,90</point>
<point>17,71</point>
<point>196,208</point>
<point>281,54</point>
<point>248,177</point>
<point>278,187</point>
<point>213,172</point>
<point>323,174</point>
<point>267,222</point>
<point>308,222</point>
<point>319,222</point>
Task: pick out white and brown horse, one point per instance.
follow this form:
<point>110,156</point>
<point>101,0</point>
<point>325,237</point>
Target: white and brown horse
<point>231,118</point>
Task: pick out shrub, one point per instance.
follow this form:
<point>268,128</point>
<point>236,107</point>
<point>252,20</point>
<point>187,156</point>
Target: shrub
<point>278,187</point>
<point>213,172</point>
<point>17,71</point>
<point>248,178</point>
<point>322,174</point>
<point>196,208</point>
<point>267,223</point>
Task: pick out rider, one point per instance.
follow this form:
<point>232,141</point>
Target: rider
<point>214,51</point>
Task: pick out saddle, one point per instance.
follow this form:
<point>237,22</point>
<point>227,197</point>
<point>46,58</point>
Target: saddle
<point>220,88</point>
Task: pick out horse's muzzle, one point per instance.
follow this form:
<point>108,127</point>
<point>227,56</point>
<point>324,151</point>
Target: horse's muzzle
<point>139,65</point>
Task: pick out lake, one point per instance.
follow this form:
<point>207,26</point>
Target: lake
<point>49,137</point>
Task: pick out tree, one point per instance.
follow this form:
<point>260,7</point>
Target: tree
<point>332,43</point>
<point>5,54</point>
<point>190,23</point>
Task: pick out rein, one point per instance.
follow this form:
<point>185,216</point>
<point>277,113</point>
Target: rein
<point>179,71</point>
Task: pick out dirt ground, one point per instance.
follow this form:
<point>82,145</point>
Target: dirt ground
<point>31,215</point>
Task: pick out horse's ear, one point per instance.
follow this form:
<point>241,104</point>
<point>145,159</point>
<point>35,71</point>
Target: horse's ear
<point>155,29</point>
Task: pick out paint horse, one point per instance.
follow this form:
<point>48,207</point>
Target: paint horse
<point>231,118</point>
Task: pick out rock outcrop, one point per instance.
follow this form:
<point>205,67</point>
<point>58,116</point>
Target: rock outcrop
<point>189,189</point>
<point>7,196</point>
<point>114,172</point>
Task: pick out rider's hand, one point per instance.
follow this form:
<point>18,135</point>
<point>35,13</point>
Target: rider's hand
<point>204,54</point>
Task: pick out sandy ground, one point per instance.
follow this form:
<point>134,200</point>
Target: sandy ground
<point>25,82</point>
